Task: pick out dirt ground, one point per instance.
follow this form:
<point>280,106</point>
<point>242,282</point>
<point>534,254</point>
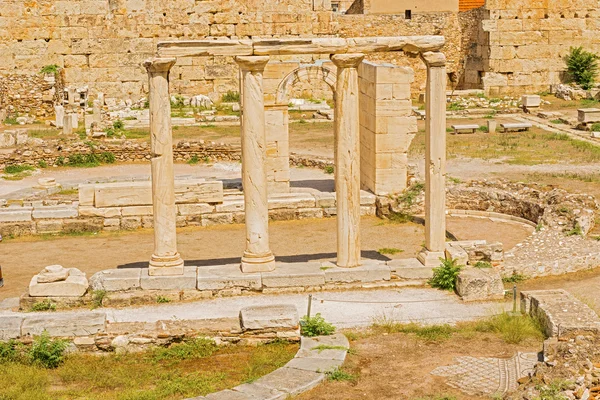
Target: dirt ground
<point>398,366</point>
<point>302,240</point>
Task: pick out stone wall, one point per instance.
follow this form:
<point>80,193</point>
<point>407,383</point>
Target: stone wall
<point>525,42</point>
<point>30,93</point>
<point>102,43</point>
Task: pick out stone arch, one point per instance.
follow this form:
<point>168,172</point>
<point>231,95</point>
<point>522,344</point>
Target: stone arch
<point>305,73</point>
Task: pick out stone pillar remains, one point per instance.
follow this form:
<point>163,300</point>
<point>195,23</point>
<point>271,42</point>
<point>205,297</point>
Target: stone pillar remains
<point>387,126</point>
<point>97,112</point>
<point>347,158</point>
<point>67,124</point>
<point>435,160</point>
<point>59,112</point>
<point>278,148</point>
<point>257,256</point>
<point>165,260</point>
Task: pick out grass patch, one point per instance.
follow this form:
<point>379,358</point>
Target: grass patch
<point>17,169</point>
<point>45,305</point>
<point>193,160</point>
<point>512,329</point>
<point>429,333</point>
<point>196,369</point>
<point>162,300</point>
<point>98,297</point>
<point>483,264</point>
<point>389,250</point>
<point>514,278</point>
<point>339,375</point>
<point>68,192</point>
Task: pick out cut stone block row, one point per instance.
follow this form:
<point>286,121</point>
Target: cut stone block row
<point>68,324</point>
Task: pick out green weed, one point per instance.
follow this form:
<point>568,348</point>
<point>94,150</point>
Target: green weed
<point>444,277</point>
<point>315,326</point>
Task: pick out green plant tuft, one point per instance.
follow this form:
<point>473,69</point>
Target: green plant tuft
<point>444,277</point>
<point>340,375</point>
<point>389,250</point>
<point>45,305</point>
<point>17,169</point>
<point>315,326</point>
<point>231,97</point>
<point>514,278</point>
<point>193,160</point>
<point>582,66</point>
<point>98,297</point>
<point>162,299</point>
<point>328,169</point>
<point>49,69</point>
<point>483,264</point>
<point>187,350</point>
<point>47,352</point>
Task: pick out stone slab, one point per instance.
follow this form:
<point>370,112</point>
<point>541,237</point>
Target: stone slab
<point>10,326</point>
<point>120,194</point>
<point>314,364</point>
<point>16,214</point>
<point>225,277</point>
<point>308,347</point>
<point>291,380</point>
<point>229,395</point>
<point>294,274</point>
<point>169,282</point>
<point>260,392</point>
<point>114,280</point>
<point>54,212</point>
<point>370,272</point>
<point>588,115</point>
<point>64,324</point>
<point>410,268</point>
<point>268,317</point>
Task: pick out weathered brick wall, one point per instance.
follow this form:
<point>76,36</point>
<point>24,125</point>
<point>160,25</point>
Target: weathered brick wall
<point>527,40</point>
<point>101,43</point>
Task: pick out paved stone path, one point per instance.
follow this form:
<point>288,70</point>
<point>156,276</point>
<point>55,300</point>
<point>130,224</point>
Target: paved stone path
<point>487,375</point>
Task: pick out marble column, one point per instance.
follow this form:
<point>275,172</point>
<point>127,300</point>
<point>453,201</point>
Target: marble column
<point>257,256</point>
<point>435,160</point>
<point>347,159</point>
<point>165,260</point>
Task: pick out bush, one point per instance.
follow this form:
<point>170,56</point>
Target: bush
<point>118,124</point>
<point>231,97</point>
<point>315,326</point>
<point>444,277</point>
<point>47,352</point>
<point>50,69</point>
<point>9,352</point>
<point>582,66</point>
<point>42,164</point>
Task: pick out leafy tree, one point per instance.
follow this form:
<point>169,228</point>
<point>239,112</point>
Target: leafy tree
<point>583,66</point>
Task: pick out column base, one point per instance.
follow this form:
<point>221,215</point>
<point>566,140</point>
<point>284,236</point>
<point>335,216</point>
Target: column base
<point>348,264</point>
<point>257,263</point>
<point>430,258</point>
<point>165,266</point>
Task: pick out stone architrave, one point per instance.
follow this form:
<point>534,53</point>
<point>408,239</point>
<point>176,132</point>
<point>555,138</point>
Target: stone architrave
<point>347,159</point>
<point>435,160</point>
<point>165,260</point>
<point>67,124</point>
<point>59,112</point>
<point>257,256</point>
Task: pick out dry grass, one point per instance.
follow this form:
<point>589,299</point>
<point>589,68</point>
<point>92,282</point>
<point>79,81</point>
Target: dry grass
<point>524,148</point>
<point>180,372</point>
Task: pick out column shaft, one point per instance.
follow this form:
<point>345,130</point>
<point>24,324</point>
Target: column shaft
<point>347,159</point>
<point>257,256</point>
<point>435,160</point>
<point>165,260</point>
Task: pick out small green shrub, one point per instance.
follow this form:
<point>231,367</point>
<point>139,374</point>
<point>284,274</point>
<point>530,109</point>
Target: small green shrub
<point>98,297</point>
<point>315,326</point>
<point>483,264</point>
<point>17,169</point>
<point>9,351</point>
<point>193,160</point>
<point>455,106</point>
<point>483,128</point>
<point>231,97</point>
<point>596,127</point>
<point>107,157</point>
<point>514,278</point>
<point>444,277</point>
<point>328,169</point>
<point>553,391</point>
<point>118,124</point>
<point>110,132</point>
<point>45,305</point>
<point>50,69</point>
<point>575,231</point>
<point>47,352</point>
<point>340,375</point>
<point>582,66</point>
<point>11,120</point>
<point>162,299</point>
<point>177,101</point>
<point>302,121</point>
<point>42,164</point>
<point>187,350</point>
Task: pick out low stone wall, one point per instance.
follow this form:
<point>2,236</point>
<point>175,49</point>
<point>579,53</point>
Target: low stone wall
<point>58,152</point>
<point>18,218</point>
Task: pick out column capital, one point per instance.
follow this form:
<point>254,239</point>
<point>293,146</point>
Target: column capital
<point>252,63</point>
<point>157,65</point>
<point>434,59</point>
<point>350,60</point>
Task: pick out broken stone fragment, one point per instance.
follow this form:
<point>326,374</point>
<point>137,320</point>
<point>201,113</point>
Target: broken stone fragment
<point>56,281</point>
